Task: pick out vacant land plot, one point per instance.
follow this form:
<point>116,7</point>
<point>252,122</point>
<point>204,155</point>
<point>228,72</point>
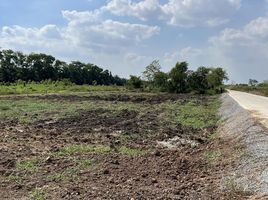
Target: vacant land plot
<point>112,145</point>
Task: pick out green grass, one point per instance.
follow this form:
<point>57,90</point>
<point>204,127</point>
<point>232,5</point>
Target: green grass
<point>132,152</point>
<point>30,110</point>
<point>37,194</point>
<point>82,149</point>
<point>16,178</point>
<point>28,165</point>
<point>192,114</point>
<point>213,156</point>
<point>259,90</point>
<point>99,149</point>
<point>52,87</point>
<point>83,164</point>
<point>69,174</point>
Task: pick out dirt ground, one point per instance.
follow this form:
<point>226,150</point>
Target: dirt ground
<point>100,154</point>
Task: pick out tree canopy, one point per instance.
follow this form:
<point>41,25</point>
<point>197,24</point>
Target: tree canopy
<point>181,80</point>
<point>16,66</point>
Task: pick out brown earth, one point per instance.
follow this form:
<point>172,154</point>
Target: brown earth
<point>159,173</point>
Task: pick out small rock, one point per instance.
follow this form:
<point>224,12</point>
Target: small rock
<point>157,153</point>
<point>106,171</point>
<point>144,175</point>
<point>115,162</point>
<point>48,159</point>
<point>111,180</point>
<point>154,180</point>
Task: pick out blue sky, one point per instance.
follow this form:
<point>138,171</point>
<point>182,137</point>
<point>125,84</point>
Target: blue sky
<point>126,35</point>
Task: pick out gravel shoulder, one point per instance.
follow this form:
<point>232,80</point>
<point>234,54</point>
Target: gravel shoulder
<point>252,171</point>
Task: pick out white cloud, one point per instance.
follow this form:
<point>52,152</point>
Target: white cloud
<point>177,12</point>
<point>143,10</point>
<point>86,31</point>
<point>106,35</point>
<point>243,52</point>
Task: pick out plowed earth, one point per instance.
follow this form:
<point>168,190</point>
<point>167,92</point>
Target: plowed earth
<point>100,154</point>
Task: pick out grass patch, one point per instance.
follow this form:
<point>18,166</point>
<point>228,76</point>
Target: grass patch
<point>234,190</point>
<point>199,116</point>
<point>17,178</point>
<point>83,164</point>
<point>37,194</point>
<point>28,165</point>
<point>99,149</point>
<point>69,174</point>
<point>192,114</point>
<point>30,110</point>
<point>52,87</point>
<point>131,151</point>
<point>213,156</point>
<point>261,89</point>
<point>81,149</point>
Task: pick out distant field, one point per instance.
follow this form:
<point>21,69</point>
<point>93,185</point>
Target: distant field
<point>52,87</point>
<point>259,90</point>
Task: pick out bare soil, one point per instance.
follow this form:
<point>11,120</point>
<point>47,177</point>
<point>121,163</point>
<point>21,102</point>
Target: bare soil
<point>160,173</point>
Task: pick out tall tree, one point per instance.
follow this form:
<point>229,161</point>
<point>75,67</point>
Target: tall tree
<point>151,70</point>
<point>178,77</point>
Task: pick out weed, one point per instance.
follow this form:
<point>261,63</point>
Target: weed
<point>17,178</point>
<point>37,194</point>
<point>53,87</point>
<point>131,152</point>
<point>28,165</point>
<point>80,149</point>
<point>213,156</point>
<point>199,116</point>
<point>235,190</point>
<point>83,164</point>
<point>69,174</point>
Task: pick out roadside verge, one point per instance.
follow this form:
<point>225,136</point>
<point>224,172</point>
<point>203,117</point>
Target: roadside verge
<point>251,173</point>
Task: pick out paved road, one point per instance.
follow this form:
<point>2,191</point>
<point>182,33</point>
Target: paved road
<point>257,105</point>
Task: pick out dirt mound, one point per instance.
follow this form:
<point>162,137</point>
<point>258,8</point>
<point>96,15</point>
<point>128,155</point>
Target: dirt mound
<point>152,99</point>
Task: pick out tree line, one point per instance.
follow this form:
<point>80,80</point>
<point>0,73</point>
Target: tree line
<point>15,66</point>
<point>180,80</point>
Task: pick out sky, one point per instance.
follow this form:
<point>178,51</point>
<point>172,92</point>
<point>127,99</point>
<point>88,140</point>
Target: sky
<point>125,36</point>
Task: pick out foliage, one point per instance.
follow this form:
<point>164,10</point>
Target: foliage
<point>48,86</point>
<point>181,80</point>
<point>259,89</point>
<point>161,81</point>
<point>178,77</point>
<point>216,77</point>
<point>151,70</point>
<point>134,82</point>
<point>16,66</point>
<point>252,82</point>
<point>198,80</point>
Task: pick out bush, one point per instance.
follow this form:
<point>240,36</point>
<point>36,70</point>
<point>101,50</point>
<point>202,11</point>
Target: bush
<point>134,82</point>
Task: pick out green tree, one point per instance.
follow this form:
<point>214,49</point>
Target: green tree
<point>198,80</point>
<point>252,82</point>
<point>8,66</point>
<point>134,82</point>
<point>161,81</point>
<point>216,77</point>
<point>151,70</point>
<point>178,78</point>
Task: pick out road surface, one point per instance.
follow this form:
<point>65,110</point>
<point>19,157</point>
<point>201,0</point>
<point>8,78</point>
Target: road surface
<point>257,105</point>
